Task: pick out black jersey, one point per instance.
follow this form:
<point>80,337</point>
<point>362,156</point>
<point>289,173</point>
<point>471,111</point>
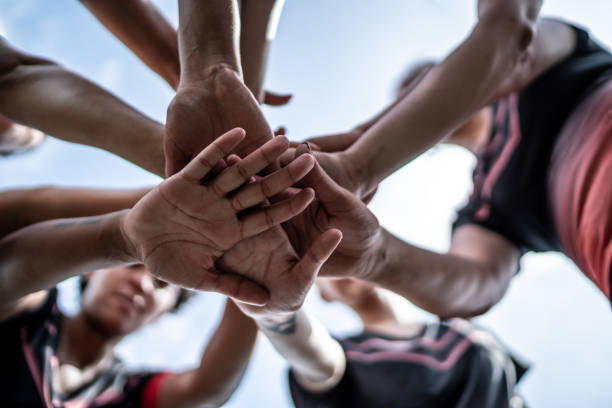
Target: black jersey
<point>29,341</point>
<point>510,194</point>
<point>447,365</point>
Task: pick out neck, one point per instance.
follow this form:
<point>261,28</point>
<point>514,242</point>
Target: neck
<point>379,315</point>
<point>84,343</point>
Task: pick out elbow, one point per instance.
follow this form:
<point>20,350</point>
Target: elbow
<point>511,34</point>
<point>479,297</point>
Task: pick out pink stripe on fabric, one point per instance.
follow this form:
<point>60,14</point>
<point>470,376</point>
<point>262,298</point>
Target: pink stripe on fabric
<point>31,360</point>
<point>80,403</point>
<point>107,396</point>
<point>502,160</point>
<point>412,357</point>
<point>502,110</point>
<point>404,345</point>
<point>76,403</point>
<point>52,329</point>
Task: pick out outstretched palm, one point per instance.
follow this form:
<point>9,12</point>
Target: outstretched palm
<point>183,226</point>
<point>268,258</point>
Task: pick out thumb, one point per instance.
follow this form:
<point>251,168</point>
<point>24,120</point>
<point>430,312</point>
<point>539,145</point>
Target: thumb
<point>321,249</point>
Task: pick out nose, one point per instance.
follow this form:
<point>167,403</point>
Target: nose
<point>142,281</point>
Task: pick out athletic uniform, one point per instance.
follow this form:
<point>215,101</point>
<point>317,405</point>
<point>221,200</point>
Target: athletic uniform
<point>29,342</point>
<point>527,182</point>
<point>447,365</point>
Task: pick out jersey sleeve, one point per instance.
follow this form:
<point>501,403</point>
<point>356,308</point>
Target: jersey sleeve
<point>338,396</point>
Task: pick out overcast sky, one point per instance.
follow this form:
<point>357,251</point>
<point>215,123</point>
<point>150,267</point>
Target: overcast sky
<point>341,59</point>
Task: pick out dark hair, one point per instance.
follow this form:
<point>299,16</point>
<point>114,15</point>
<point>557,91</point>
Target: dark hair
<point>414,75</point>
<point>183,296</point>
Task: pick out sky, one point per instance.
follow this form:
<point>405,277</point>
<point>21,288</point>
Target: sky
<point>341,59</point>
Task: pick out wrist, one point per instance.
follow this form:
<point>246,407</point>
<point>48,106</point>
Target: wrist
<point>121,247</point>
<point>358,172</point>
<point>379,259</point>
<point>277,322</point>
<point>214,65</point>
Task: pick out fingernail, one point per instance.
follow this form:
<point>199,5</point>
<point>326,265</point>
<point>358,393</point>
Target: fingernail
<point>308,146</point>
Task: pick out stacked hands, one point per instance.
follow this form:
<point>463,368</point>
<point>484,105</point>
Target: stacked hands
<point>216,226</point>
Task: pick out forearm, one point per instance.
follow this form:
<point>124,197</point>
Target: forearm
<point>259,23</point>
<point>144,30</point>
<point>20,208</point>
<point>42,255</point>
<point>209,35</point>
<point>446,97</point>
<point>222,366</point>
<point>316,359</point>
<point>58,102</point>
<point>444,284</point>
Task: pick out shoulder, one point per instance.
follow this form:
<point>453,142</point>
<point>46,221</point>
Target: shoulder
<point>32,304</point>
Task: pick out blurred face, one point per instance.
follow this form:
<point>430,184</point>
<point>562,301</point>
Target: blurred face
<point>121,300</point>
<point>348,291</point>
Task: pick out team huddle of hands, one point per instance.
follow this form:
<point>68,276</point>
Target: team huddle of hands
<point>231,218</point>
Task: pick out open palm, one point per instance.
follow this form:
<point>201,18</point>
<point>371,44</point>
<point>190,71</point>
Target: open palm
<point>184,225</point>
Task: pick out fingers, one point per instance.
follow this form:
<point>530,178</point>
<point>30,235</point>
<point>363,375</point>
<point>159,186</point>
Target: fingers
<point>280,131</point>
<point>274,99</point>
<point>319,252</point>
<point>199,167</point>
<point>241,289</point>
<point>242,171</point>
<point>273,184</point>
<point>269,217</point>
<point>326,189</point>
<point>337,142</point>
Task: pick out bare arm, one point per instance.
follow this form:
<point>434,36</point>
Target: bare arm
<point>441,101</point>
<point>181,225</point>
<point>209,35</point>
<point>144,30</point>
<point>468,280</point>
<point>46,96</point>
<point>221,368</point>
<point>20,208</point>
<point>316,359</point>
<point>41,255</point>
<point>259,23</point>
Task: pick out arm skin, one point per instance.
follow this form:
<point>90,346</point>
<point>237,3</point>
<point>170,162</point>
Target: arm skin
<point>259,23</point>
<point>467,281</point>
<point>221,368</point>
<point>316,359</point>
<point>179,226</point>
<point>46,96</point>
<point>209,35</point>
<point>155,41</point>
<point>20,208</point>
<point>439,104</point>
<point>212,97</point>
<point>144,30</point>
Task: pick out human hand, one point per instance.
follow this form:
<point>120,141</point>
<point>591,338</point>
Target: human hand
<point>184,225</point>
<point>269,259</point>
<point>335,207</point>
<point>330,153</point>
<point>510,10</point>
<point>204,109</point>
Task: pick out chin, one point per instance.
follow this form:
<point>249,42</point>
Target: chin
<point>114,324</point>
